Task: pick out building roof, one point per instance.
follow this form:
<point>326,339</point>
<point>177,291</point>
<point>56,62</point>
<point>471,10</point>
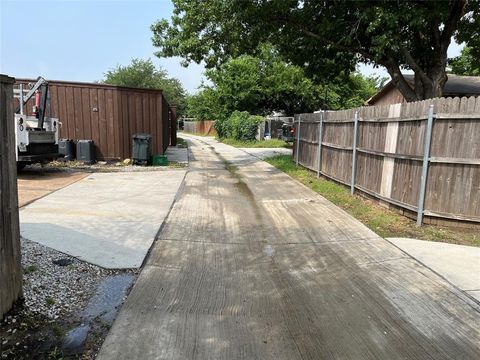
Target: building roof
<point>456,85</point>
<point>90,85</point>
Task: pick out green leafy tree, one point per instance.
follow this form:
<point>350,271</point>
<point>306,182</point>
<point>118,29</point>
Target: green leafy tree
<point>262,84</point>
<point>205,105</point>
<point>466,64</point>
<point>143,74</point>
<point>240,125</point>
<point>328,37</point>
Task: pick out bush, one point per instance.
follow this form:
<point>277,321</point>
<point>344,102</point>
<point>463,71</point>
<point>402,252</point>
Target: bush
<point>220,127</point>
<point>239,126</point>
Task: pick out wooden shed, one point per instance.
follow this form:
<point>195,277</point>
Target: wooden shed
<point>109,115</point>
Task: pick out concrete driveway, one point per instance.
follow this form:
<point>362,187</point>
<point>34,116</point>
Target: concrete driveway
<point>107,219</point>
<point>252,265</point>
<point>263,153</point>
<point>34,184</point>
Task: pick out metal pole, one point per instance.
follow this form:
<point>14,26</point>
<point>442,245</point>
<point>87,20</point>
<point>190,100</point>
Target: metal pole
<point>298,139</point>
<point>426,159</point>
<point>21,99</point>
<point>320,136</point>
<point>354,153</point>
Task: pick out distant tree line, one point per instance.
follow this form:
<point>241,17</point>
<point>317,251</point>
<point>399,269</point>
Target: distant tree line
<point>264,83</point>
<point>144,74</point>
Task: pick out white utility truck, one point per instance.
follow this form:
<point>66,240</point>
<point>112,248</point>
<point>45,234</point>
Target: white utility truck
<point>37,134</point>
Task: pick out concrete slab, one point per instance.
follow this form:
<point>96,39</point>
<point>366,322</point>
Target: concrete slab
<point>33,185</point>
<point>474,293</point>
<point>263,153</point>
<point>178,155</point>
<point>458,264</point>
<point>108,219</point>
<point>253,265</point>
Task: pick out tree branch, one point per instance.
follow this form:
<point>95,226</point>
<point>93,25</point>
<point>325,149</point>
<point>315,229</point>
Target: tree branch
<point>415,67</point>
<point>335,45</point>
<point>402,85</point>
<point>457,11</point>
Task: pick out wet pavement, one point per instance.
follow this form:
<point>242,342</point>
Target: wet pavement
<point>101,309</point>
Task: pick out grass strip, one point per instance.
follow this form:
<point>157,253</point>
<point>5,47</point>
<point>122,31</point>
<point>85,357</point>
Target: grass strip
<point>383,221</point>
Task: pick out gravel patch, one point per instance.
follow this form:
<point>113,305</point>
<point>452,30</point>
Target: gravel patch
<point>74,280</point>
<point>57,288</point>
<point>100,166</point>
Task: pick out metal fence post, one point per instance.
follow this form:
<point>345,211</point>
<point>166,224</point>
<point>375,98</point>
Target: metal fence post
<point>354,153</point>
<point>21,99</point>
<point>426,159</point>
<point>320,136</point>
<point>298,139</point>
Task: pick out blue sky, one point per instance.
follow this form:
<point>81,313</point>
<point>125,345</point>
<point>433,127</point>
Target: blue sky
<point>80,40</point>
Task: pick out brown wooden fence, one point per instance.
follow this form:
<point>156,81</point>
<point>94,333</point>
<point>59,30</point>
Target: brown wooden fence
<point>428,168</point>
<point>10,267</point>
<point>205,127</point>
<point>109,115</point>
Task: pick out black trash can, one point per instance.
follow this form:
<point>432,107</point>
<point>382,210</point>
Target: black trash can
<point>86,151</point>
<point>66,147</point>
<point>141,149</point>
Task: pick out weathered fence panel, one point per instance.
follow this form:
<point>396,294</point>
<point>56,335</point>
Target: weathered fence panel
<point>389,154</point>
<point>10,267</point>
<point>109,115</point>
<point>204,127</point>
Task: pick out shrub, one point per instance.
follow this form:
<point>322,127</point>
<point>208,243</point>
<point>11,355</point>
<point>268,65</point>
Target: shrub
<point>220,127</point>
<point>239,126</point>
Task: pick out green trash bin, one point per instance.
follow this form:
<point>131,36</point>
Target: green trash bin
<point>160,160</point>
<point>141,149</point>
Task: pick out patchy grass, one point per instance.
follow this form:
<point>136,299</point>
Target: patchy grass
<point>272,143</point>
<point>385,222</point>
<point>30,269</point>
<point>176,165</point>
<point>181,143</point>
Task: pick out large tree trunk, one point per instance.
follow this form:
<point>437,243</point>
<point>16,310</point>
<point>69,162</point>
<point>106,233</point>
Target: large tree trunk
<point>430,68</point>
<point>424,86</point>
<point>433,88</point>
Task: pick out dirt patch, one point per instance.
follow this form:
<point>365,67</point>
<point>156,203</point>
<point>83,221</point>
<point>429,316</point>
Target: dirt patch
<point>34,184</point>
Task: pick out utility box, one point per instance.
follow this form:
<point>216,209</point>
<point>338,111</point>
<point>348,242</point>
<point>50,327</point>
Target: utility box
<point>66,147</point>
<point>141,149</point>
<point>86,151</point>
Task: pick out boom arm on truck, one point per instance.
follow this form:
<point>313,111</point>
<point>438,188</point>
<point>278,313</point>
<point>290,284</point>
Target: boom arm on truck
<point>37,135</point>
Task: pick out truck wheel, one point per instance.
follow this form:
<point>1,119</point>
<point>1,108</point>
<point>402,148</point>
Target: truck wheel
<point>20,165</point>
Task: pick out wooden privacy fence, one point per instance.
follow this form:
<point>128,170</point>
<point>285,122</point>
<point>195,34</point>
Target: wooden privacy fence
<point>423,157</point>
<point>204,127</point>
<point>10,267</point>
<point>109,115</point>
